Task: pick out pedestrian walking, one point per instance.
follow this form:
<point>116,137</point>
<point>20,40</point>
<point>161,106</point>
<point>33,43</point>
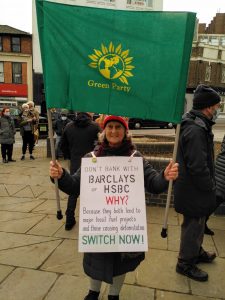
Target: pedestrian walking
<point>27,127</point>
<point>195,188</point>
<point>7,135</point>
<point>35,116</point>
<point>78,138</point>
<point>112,267</point>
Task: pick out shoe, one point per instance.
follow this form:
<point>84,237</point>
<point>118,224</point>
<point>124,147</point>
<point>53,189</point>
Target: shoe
<point>206,257</point>
<point>191,271</point>
<point>12,160</point>
<point>69,224</point>
<point>31,157</point>
<point>22,157</point>
<point>4,160</point>
<point>113,297</point>
<point>208,231</point>
<point>92,295</point>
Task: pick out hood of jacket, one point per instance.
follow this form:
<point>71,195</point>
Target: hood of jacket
<point>82,119</point>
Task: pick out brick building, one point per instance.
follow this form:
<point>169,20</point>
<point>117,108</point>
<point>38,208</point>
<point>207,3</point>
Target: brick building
<point>15,65</point>
<point>207,64</point>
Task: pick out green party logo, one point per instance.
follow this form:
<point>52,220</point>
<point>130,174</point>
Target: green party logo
<point>112,62</point>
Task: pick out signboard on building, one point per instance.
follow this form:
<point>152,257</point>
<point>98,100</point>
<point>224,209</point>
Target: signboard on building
<point>13,90</point>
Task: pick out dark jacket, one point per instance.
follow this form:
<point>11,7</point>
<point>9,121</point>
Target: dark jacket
<point>195,189</point>
<point>7,130</point>
<point>79,138</point>
<point>59,125</point>
<point>220,172</point>
<point>104,266</point>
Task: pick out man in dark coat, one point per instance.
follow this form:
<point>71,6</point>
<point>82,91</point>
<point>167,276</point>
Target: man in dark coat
<point>78,138</point>
<point>195,188</point>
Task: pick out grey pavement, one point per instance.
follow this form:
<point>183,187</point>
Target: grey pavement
<point>39,260</point>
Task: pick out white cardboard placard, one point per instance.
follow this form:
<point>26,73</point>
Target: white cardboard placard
<point>112,205</point>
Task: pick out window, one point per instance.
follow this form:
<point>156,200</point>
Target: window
<point>1,47</point>
<point>1,71</point>
<point>16,72</point>
<point>208,73</point>
<point>15,44</point>
<point>223,75</point>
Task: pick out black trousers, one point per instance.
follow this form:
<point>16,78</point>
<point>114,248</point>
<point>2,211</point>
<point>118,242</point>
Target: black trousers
<point>28,140</point>
<point>192,234</point>
<point>7,151</point>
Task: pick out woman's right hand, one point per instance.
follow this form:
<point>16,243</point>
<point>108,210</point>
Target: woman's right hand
<point>55,170</point>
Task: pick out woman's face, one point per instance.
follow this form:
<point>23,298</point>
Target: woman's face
<point>115,133</point>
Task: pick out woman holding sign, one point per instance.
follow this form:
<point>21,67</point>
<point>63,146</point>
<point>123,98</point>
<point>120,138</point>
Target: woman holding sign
<point>112,267</point>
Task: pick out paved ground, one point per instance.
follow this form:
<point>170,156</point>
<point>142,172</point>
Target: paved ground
<point>39,259</point>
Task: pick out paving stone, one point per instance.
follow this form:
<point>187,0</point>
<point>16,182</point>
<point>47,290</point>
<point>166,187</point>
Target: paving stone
<point>14,215</point>
<point>14,188</point>
<point>219,239</point>
<point>215,286</point>
<point>3,191</point>
<point>21,225</point>
<point>49,207</point>
<point>154,237</point>
<point>216,222</point>
<point>68,234</point>
<point>69,287</point>
<point>173,237</point>
<point>47,226</point>
<point>27,284</point>
<point>28,256</point>
<point>65,259</point>
<point>12,178</point>
<point>163,295</point>
<point>158,270</point>
<point>25,205</point>
<point>5,271</point>
<point>14,240</point>
<point>38,190</point>
<point>25,193</point>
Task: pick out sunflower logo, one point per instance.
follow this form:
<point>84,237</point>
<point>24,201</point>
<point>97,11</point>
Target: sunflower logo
<point>112,62</point>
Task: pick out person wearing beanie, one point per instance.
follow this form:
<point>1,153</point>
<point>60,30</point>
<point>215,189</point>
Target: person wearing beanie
<point>195,188</point>
<point>111,267</point>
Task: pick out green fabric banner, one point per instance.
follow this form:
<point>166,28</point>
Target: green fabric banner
<point>130,63</point>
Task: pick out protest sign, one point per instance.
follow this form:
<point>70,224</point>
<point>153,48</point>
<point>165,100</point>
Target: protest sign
<point>112,205</point>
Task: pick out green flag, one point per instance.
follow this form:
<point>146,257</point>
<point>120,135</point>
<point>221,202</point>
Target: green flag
<point>130,63</point>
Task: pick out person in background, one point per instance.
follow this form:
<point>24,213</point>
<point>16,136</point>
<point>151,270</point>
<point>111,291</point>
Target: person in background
<point>27,126</point>
<point>78,138</point>
<point>7,135</point>
<point>112,267</point>
<point>58,127</point>
<point>100,120</point>
<point>220,181</point>
<point>35,116</point>
<point>195,188</point>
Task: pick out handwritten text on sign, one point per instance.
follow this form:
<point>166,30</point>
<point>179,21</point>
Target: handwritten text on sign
<point>112,205</point>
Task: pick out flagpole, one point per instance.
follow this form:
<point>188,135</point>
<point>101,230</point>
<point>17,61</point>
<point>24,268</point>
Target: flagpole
<point>52,146</point>
<point>164,228</point>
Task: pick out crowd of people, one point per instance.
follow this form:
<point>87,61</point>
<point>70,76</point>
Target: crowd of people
<point>199,178</point>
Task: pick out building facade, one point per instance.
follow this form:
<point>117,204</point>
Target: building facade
<point>16,84</point>
<point>207,64</point>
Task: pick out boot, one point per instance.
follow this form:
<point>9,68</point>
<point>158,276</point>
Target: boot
<point>191,271</point>
<point>205,257</point>
<point>113,297</point>
<point>70,222</point>
<point>92,295</point>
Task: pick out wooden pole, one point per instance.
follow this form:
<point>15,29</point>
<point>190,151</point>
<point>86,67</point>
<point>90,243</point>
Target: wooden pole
<point>52,146</point>
<point>164,228</point>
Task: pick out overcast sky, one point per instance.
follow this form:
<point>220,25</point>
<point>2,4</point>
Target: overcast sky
<point>18,13</point>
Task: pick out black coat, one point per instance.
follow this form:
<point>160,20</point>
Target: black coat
<point>78,138</point>
<point>104,266</point>
<point>220,172</point>
<point>195,189</point>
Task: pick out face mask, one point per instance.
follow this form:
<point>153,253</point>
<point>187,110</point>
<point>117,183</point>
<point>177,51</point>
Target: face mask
<point>7,113</point>
<point>216,114</point>
<point>64,118</point>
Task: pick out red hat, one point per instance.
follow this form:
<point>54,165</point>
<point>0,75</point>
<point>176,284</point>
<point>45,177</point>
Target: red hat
<point>116,119</point>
